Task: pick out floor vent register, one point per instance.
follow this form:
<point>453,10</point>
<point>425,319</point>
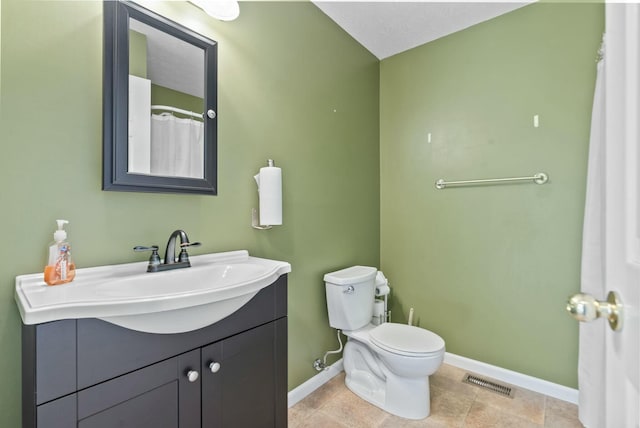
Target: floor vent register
<point>490,385</point>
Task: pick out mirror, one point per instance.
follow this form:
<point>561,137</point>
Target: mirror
<point>160,96</point>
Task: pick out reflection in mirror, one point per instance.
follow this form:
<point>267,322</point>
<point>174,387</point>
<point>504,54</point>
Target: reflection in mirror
<point>159,104</point>
<point>166,101</point>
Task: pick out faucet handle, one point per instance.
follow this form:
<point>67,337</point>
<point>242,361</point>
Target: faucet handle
<point>190,244</point>
<point>183,257</point>
<point>143,248</point>
<point>154,260</point>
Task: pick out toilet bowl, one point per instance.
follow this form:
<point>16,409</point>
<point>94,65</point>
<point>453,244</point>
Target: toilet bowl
<point>387,365</point>
<point>391,376</point>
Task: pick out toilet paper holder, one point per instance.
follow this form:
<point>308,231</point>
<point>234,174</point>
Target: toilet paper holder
<point>255,222</point>
<point>273,218</point>
<point>381,293</point>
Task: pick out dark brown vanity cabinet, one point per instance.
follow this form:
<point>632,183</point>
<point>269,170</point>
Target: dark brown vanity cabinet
<point>88,373</point>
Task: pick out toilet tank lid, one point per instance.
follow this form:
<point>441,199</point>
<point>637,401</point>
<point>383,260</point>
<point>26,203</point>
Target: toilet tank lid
<point>351,275</point>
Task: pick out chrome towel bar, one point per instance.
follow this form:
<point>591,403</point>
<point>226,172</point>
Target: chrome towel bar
<point>539,178</point>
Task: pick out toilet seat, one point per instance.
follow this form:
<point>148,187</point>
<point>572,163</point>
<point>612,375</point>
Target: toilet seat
<point>407,340</point>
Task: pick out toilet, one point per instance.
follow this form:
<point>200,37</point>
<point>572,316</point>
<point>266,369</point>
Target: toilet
<point>389,364</point>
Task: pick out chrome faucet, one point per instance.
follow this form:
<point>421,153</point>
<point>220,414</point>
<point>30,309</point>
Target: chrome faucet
<point>170,252</point>
<point>170,261</point>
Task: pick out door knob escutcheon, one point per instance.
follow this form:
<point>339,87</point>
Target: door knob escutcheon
<point>584,307</point>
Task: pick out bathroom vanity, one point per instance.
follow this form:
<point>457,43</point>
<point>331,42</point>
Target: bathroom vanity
<point>89,373</point>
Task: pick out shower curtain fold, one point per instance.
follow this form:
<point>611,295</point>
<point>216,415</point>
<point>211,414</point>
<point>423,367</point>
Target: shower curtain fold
<point>177,146</point>
<point>592,335</point>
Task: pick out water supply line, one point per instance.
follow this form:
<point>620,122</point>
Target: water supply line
<point>322,365</point>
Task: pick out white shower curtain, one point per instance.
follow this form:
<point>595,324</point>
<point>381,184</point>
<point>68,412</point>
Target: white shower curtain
<point>592,335</point>
<point>177,146</point>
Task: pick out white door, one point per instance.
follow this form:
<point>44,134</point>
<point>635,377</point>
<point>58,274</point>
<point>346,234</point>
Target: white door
<point>622,210</point>
<point>610,359</point>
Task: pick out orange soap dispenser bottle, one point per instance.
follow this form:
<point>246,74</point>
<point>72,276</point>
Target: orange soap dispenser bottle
<point>60,268</point>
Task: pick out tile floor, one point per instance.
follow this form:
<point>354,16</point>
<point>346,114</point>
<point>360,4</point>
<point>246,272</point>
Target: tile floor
<point>453,404</point>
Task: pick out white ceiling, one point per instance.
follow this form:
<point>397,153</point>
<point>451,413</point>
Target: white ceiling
<point>171,62</point>
<point>387,28</point>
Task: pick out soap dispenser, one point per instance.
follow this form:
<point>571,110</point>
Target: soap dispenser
<point>60,268</point>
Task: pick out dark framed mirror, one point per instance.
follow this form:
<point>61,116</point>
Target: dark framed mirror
<point>160,104</point>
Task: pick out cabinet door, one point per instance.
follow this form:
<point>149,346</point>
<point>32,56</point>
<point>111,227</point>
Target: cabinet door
<point>60,413</point>
<point>239,380</point>
<point>159,396</point>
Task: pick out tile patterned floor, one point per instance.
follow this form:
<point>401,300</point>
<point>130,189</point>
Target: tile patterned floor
<point>453,404</point>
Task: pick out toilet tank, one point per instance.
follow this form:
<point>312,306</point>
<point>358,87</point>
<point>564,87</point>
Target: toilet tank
<point>350,294</point>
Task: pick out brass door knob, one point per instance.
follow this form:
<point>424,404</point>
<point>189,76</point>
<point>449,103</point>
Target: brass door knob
<point>584,307</point>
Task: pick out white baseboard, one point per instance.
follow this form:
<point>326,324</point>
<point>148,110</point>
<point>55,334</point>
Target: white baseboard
<point>514,378</point>
<point>306,388</point>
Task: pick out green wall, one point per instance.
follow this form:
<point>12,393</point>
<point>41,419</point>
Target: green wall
<point>291,87</point>
<point>489,268</point>
<point>138,54</point>
<point>169,97</point>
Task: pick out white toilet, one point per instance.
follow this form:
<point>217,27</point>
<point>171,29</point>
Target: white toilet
<point>387,365</point>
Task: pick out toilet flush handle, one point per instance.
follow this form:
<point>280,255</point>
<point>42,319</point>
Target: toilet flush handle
<point>350,290</point>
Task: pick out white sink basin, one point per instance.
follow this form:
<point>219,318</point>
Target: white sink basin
<point>174,301</point>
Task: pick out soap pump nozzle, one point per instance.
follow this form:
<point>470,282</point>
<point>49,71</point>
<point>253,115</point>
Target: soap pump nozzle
<point>60,234</point>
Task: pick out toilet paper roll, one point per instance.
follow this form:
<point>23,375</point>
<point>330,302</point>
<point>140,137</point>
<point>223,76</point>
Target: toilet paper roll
<point>378,312</point>
<point>378,308</point>
<point>381,279</point>
<point>382,290</point>
<point>269,181</point>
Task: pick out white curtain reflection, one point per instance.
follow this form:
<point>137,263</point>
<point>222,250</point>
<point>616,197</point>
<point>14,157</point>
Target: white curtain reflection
<point>177,146</point>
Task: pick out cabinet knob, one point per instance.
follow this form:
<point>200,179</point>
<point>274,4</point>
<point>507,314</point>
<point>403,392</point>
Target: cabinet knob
<point>214,367</point>
<point>192,375</point>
